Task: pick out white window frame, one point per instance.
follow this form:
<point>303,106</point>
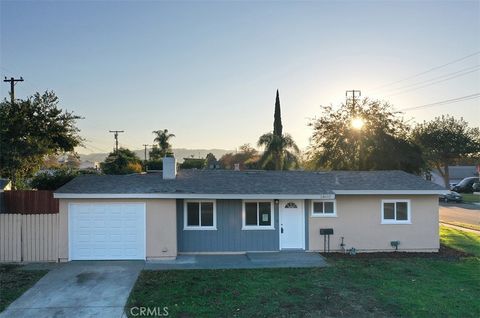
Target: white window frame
<point>395,221</point>
<point>324,215</point>
<point>258,227</point>
<point>199,227</point>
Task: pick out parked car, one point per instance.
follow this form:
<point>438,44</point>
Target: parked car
<point>451,196</point>
<point>476,187</point>
<point>466,185</point>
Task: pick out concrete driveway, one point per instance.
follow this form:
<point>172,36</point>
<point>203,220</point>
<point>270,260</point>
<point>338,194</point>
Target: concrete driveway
<point>79,289</point>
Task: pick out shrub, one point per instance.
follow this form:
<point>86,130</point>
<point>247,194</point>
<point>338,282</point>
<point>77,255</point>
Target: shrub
<point>52,179</point>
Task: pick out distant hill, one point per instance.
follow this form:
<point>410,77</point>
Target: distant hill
<point>180,153</point>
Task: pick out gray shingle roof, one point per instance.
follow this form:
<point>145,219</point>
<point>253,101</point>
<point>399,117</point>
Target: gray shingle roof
<point>248,182</point>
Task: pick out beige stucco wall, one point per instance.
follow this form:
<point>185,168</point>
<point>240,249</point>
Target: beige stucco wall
<point>161,231</point>
<point>359,222</point>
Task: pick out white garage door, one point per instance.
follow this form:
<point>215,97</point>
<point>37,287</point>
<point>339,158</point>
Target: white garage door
<point>107,231</point>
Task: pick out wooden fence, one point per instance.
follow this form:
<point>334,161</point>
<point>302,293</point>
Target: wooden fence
<point>28,237</point>
<point>30,202</point>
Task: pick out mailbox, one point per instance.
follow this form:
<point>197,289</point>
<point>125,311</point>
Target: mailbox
<point>326,231</point>
<point>326,237</point>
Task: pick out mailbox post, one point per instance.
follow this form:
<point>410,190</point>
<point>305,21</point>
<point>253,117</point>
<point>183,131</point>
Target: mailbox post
<point>326,236</point>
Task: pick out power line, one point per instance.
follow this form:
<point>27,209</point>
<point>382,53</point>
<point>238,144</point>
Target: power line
<point>444,102</point>
<point>474,68</point>
<point>427,71</point>
<point>435,82</point>
<point>98,149</point>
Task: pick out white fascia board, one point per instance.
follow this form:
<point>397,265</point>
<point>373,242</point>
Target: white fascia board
<point>189,196</point>
<point>385,192</point>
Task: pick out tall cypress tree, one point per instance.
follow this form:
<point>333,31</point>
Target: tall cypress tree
<point>280,149</point>
<point>277,122</point>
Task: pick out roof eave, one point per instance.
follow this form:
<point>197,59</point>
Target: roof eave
<point>325,196</point>
<point>389,192</point>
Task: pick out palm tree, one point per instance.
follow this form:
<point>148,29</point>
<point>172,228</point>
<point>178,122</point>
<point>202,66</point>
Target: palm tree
<point>162,138</point>
<point>280,149</point>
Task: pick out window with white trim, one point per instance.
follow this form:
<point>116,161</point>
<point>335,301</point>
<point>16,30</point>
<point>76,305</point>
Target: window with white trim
<point>395,211</point>
<point>200,215</point>
<point>257,215</point>
<point>321,208</point>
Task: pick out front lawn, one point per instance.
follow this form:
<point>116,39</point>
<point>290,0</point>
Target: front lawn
<point>14,282</point>
<point>471,198</point>
<point>461,240</point>
<point>360,287</point>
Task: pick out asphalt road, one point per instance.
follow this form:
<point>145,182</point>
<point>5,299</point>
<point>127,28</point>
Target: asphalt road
<point>464,213</point>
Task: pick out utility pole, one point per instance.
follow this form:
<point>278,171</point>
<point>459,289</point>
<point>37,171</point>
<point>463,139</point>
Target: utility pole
<point>354,93</point>
<point>145,145</point>
<point>12,86</point>
<point>115,135</point>
<point>145,161</point>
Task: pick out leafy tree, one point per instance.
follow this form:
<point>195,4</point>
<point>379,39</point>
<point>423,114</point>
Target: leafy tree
<point>280,149</point>
<point>155,153</point>
<point>52,179</point>
<point>193,163</point>
<point>51,161</point>
<point>155,164</point>
<point>73,161</point>
<point>211,160</point>
<point>446,140</point>
<point>32,129</point>
<point>247,157</point>
<point>123,161</point>
<point>162,137</point>
<point>369,136</point>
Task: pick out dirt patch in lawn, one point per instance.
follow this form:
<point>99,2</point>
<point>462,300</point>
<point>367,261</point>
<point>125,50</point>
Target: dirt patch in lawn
<point>444,253</point>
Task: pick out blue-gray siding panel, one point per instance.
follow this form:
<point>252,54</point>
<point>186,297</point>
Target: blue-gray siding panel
<point>229,236</point>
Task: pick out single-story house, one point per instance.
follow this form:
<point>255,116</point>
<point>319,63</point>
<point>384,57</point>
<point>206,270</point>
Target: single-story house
<point>159,215</point>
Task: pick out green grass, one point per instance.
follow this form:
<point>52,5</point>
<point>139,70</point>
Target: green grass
<point>408,287</point>
<point>471,198</point>
<point>460,240</point>
<point>14,282</point>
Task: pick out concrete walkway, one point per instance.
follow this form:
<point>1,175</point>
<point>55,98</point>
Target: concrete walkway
<point>237,261</point>
<point>79,289</point>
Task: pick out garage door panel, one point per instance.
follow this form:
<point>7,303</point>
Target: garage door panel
<point>107,231</point>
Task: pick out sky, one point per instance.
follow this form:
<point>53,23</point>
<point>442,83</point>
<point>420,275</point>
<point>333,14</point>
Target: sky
<point>208,71</point>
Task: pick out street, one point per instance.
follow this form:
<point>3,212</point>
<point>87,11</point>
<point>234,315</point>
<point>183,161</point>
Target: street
<point>458,212</point>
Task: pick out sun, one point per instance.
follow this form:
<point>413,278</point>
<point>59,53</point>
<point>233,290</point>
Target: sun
<point>357,123</point>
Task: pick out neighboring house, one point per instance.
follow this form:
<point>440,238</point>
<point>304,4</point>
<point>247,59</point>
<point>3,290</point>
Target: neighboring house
<point>5,185</point>
<point>457,174</point>
<point>159,215</point>
<point>89,165</point>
